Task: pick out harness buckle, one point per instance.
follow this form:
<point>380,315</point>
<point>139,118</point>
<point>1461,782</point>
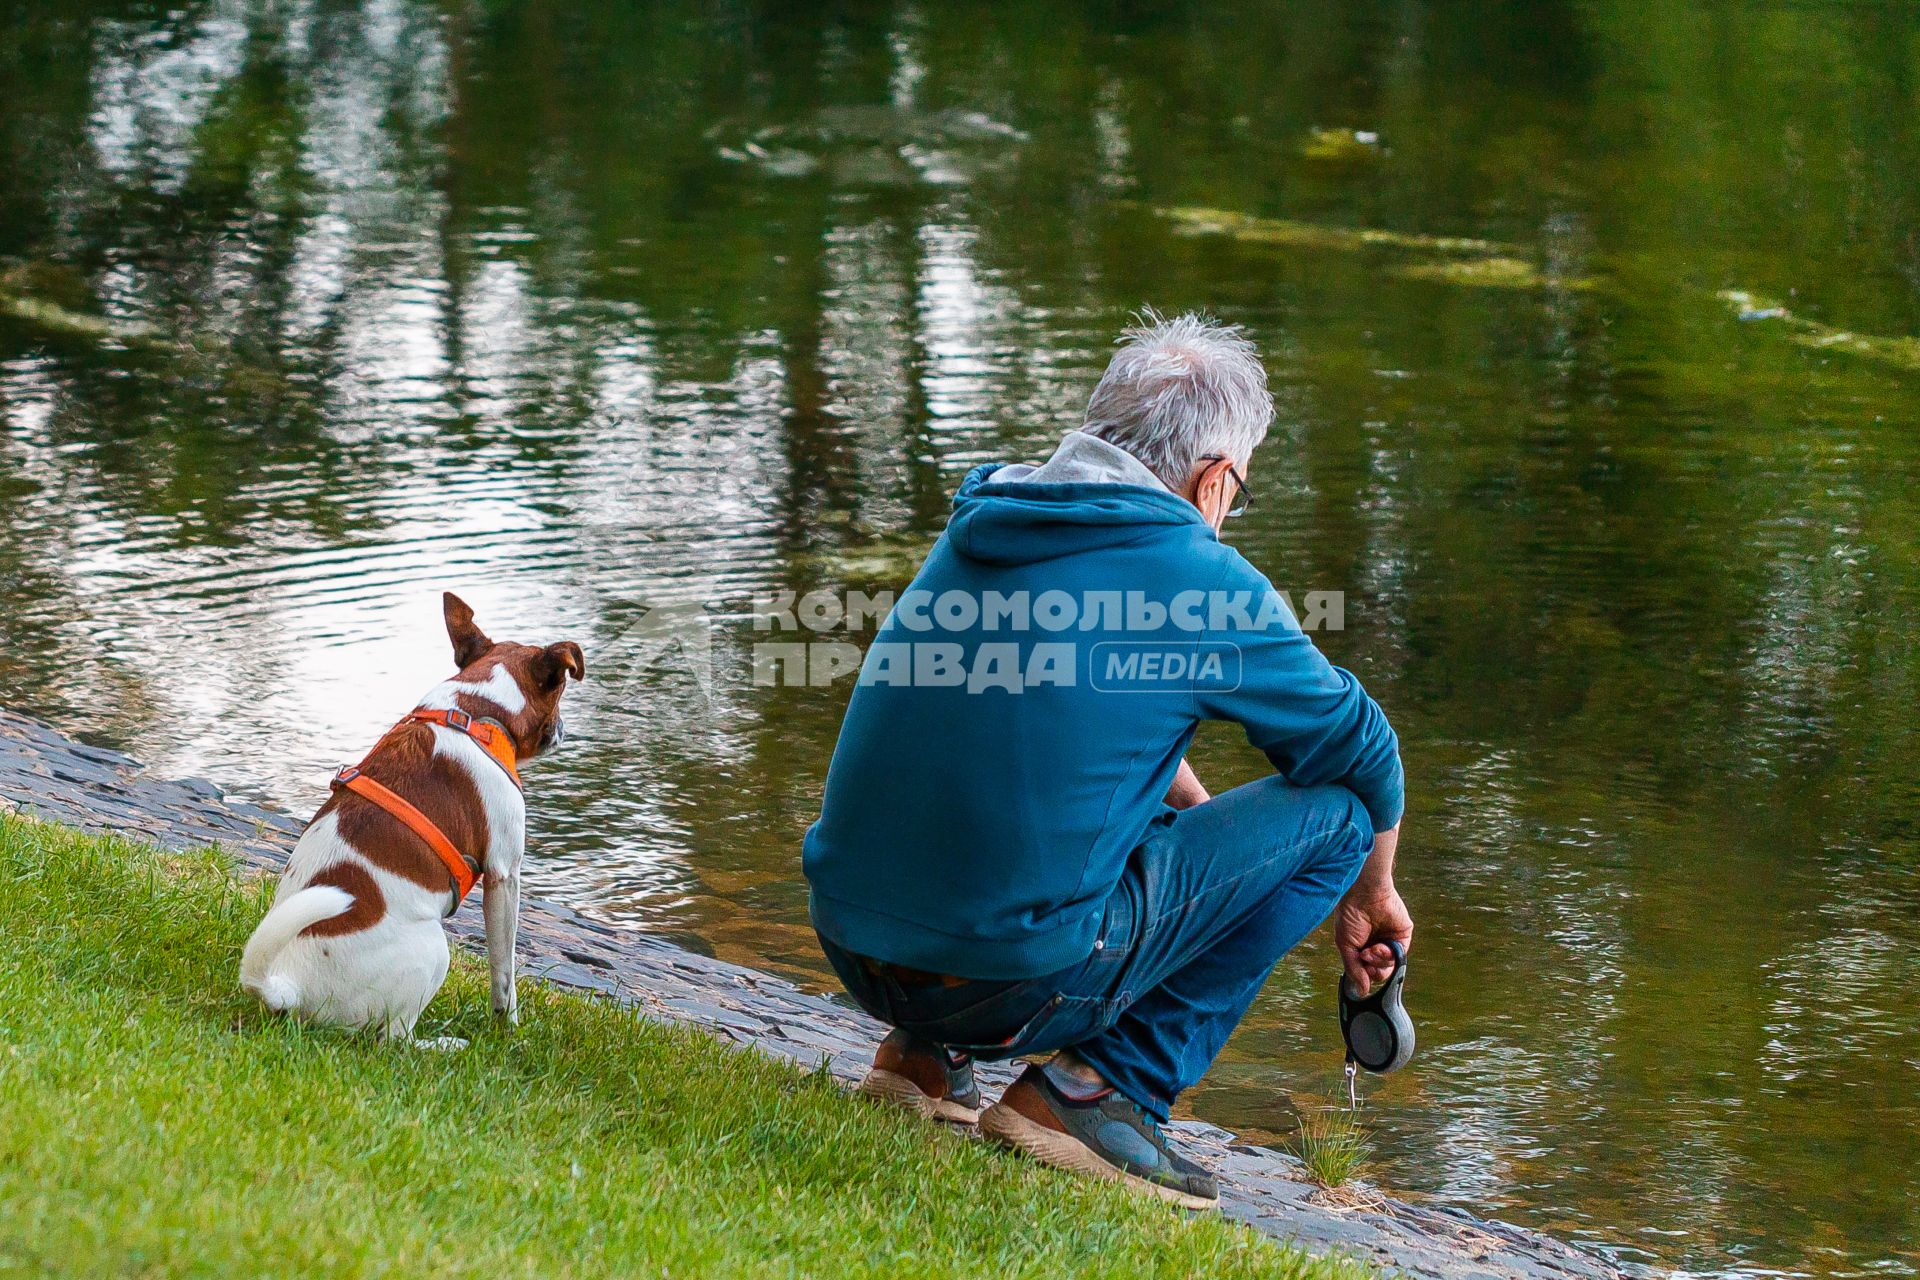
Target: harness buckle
<point>348,772</point>
<point>459,720</point>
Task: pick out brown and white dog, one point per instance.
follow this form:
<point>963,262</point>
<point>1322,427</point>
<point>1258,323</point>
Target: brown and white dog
<point>354,936</point>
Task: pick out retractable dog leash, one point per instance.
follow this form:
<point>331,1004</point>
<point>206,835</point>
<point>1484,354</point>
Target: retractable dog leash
<point>1378,1032</point>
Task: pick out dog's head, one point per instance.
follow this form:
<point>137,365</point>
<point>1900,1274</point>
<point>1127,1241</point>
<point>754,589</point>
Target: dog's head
<point>518,685</point>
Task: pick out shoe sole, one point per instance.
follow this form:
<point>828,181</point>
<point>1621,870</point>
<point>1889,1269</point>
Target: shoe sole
<point>1009,1128</point>
<point>896,1090</point>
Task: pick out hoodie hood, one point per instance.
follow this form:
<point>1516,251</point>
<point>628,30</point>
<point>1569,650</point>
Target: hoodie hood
<point>1088,495</point>
<point>1082,459</point>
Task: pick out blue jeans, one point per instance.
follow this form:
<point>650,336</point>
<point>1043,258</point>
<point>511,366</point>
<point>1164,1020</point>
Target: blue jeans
<point>1211,899</point>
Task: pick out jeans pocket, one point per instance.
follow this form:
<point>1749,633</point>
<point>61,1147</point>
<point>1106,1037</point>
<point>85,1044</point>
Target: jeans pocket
<point>985,1020</point>
<point>1062,1022</point>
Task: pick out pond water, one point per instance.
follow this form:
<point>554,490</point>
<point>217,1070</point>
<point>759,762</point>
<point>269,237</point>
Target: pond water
<point>1591,329</point>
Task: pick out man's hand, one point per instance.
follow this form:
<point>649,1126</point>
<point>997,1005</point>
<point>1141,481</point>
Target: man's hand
<point>1186,790</point>
<point>1370,916</point>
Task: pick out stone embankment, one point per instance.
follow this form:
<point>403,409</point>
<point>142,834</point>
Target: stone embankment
<point>47,775</point>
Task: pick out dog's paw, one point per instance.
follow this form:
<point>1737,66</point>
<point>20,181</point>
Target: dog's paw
<point>444,1044</point>
<point>509,1015</point>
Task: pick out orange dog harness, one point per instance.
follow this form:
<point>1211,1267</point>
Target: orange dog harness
<point>462,870</point>
<point>491,737</point>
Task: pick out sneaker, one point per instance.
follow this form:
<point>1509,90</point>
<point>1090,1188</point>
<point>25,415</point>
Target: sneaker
<point>1104,1136</point>
<point>923,1078</point>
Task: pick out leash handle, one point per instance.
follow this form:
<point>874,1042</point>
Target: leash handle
<point>1378,1032</point>
<point>1349,994</point>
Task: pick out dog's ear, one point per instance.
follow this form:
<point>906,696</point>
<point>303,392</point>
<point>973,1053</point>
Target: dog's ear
<point>470,643</point>
<point>556,662</point>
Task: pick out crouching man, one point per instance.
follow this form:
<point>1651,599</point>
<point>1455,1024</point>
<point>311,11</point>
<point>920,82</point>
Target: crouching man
<point>1013,856</point>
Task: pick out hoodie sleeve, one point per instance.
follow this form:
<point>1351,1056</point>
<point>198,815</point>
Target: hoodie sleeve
<point>1311,718</point>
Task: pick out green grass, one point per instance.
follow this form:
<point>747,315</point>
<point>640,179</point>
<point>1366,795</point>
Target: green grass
<point>1332,1145</point>
<point>155,1121</point>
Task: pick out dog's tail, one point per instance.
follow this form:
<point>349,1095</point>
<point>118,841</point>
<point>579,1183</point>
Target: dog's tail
<point>282,925</point>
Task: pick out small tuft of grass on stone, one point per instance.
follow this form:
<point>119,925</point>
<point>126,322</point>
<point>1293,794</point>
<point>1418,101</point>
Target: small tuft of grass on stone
<point>1332,1145</point>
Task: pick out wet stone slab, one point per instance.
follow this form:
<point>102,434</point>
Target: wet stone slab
<point>47,775</point>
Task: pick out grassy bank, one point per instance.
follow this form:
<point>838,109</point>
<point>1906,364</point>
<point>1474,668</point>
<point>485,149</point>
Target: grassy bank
<point>156,1121</point>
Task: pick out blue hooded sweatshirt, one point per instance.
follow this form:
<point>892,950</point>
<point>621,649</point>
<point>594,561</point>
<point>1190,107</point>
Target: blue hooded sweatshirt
<point>998,763</point>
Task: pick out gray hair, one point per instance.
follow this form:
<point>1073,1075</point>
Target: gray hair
<point>1178,389</point>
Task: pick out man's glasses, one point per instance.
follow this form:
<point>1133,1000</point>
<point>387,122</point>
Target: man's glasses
<point>1242,495</point>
